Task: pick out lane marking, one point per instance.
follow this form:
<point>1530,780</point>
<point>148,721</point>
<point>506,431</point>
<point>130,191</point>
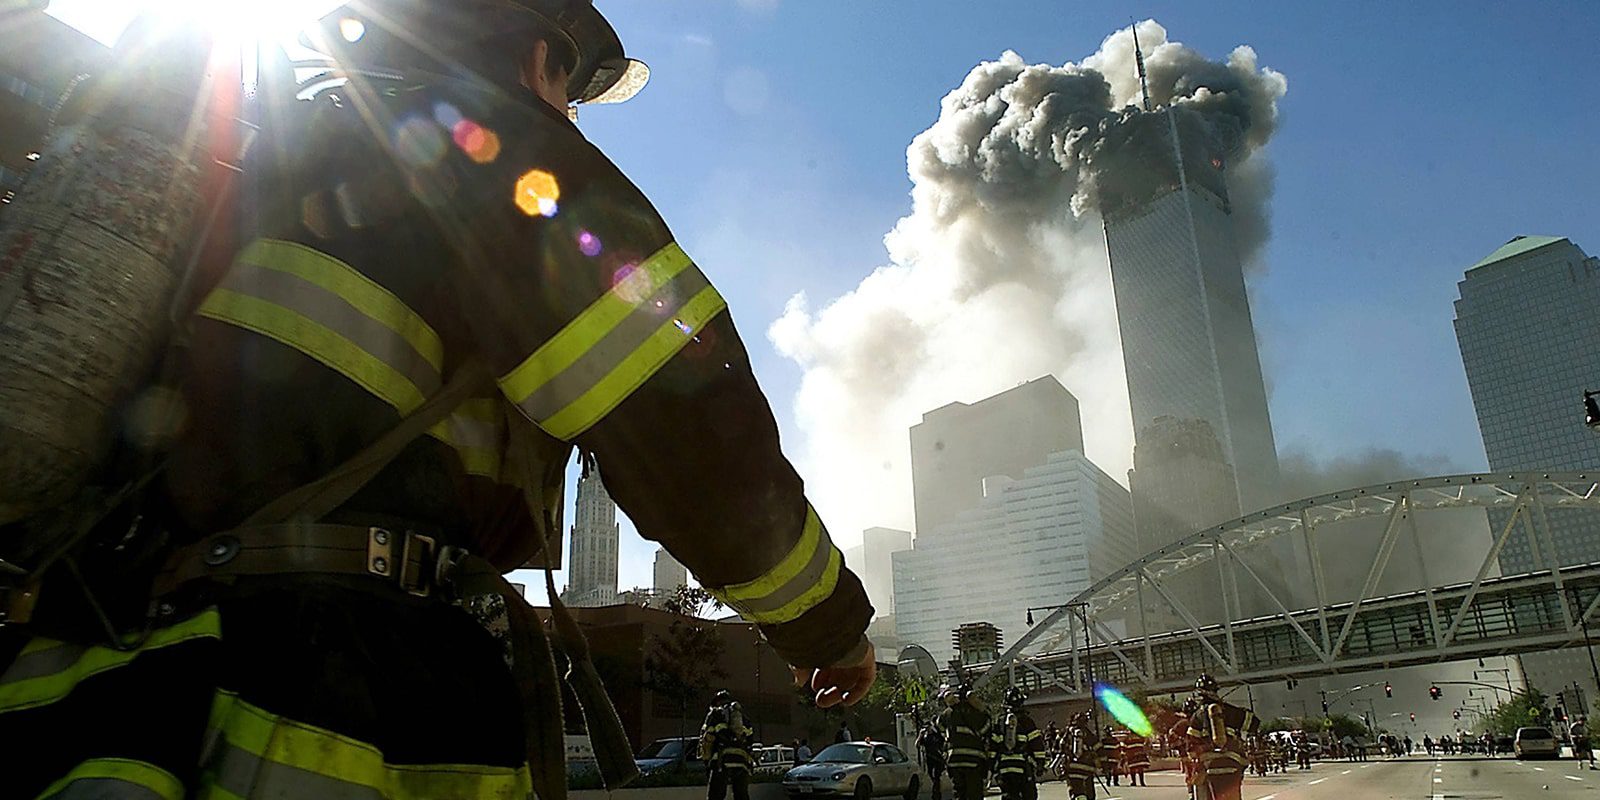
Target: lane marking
<point>1572,777</point>
<point>1346,772</point>
<point>1364,766</point>
<point>1266,797</point>
<point>1438,780</point>
<point>1540,769</point>
<point>1315,782</point>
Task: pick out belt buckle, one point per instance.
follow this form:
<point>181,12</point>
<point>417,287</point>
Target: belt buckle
<point>416,575</point>
<point>409,562</point>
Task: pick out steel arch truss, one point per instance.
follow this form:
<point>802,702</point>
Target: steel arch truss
<point>1490,615</point>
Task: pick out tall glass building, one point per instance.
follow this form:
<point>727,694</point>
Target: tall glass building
<point>1528,323</point>
<point>1188,342</point>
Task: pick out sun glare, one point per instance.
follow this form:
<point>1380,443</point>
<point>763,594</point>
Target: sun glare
<point>104,20</point>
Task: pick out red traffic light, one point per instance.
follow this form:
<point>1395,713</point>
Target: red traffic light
<point>1433,692</point>
<point>1388,691</point>
<point>1413,716</point>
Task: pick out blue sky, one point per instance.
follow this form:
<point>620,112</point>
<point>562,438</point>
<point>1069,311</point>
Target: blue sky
<point>1416,138</point>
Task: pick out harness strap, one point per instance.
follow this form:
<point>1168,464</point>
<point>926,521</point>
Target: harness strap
<point>410,561</point>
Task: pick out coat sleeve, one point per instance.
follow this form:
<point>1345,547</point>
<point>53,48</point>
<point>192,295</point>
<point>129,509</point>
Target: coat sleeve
<point>604,332</point>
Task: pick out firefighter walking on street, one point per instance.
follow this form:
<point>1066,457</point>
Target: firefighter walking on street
<point>966,730</point>
<point>1082,758</point>
<point>1136,759</point>
<point>1220,731</point>
<point>1018,747</point>
<point>431,292</point>
<point>931,752</point>
<point>725,745</point>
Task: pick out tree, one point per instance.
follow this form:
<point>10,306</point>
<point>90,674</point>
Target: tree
<point>1521,710</point>
<point>1343,725</point>
<point>897,692</point>
<point>682,664</point>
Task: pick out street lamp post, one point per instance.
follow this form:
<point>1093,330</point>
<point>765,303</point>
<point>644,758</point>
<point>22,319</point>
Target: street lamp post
<point>1081,612</point>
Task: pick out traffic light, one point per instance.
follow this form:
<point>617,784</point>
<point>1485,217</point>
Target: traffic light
<point>1456,713</point>
<point>1388,691</point>
<point>1324,706</point>
<point>1433,692</point>
<point>1413,716</point>
<point>1561,714</point>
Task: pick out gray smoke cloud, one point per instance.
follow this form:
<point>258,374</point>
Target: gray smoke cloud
<point>999,274</point>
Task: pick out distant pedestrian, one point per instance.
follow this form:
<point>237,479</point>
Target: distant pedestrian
<point>843,735</point>
<point>802,752</point>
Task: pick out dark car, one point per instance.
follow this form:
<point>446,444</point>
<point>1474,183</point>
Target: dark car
<point>671,755</point>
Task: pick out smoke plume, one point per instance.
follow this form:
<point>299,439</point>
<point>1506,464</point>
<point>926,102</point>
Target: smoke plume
<point>999,273</point>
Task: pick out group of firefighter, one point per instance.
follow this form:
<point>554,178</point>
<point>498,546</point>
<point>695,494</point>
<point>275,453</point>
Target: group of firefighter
<point>1214,736</point>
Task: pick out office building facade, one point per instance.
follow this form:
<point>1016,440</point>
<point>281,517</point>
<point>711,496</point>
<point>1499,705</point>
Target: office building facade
<point>1528,325</point>
<point>872,562</point>
<point>1032,541</point>
<point>956,446</point>
<point>1188,341</point>
<point>667,575</point>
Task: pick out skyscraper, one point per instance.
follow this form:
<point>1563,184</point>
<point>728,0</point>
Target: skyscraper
<point>39,61</point>
<point>668,574</point>
<point>592,576</point>
<point>956,446</point>
<point>1033,541</point>
<point>871,561</point>
<point>1528,323</point>
<point>1188,342</point>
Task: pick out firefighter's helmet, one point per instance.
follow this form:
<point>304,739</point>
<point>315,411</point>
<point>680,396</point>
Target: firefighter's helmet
<point>1206,686</point>
<point>1014,697</point>
<point>473,35</point>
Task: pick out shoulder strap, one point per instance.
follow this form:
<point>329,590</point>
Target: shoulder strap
<point>317,499</point>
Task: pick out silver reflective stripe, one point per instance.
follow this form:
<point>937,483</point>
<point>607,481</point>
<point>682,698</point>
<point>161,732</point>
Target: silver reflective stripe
<point>620,342</point>
<point>239,771</point>
<point>335,313</point>
<point>103,789</point>
<point>39,663</point>
<point>807,579</point>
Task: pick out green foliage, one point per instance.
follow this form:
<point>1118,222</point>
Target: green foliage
<point>1279,724</point>
<point>692,601</point>
<point>1343,725</point>
<point>1521,710</point>
<point>682,664</point>
<point>897,692</point>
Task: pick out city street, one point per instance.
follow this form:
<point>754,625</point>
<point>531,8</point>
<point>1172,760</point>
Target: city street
<point>1414,778</point>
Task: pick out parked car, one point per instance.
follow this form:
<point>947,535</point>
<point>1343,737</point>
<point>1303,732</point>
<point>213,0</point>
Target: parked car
<point>773,759</point>
<point>671,755</point>
<point>1535,743</point>
<point>855,769</point>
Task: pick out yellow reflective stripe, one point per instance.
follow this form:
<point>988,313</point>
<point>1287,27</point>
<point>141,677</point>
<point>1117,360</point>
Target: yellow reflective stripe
<point>120,778</point>
<point>257,753</point>
<point>317,341</point>
<point>43,689</point>
<point>967,751</point>
<point>804,578</point>
<point>565,348</point>
<point>592,406</point>
<point>347,282</point>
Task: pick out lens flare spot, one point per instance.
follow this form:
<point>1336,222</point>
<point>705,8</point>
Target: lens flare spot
<point>447,114</point>
<point>352,29</point>
<point>1123,709</point>
<point>632,284</point>
<point>589,244</point>
<point>683,327</point>
<point>537,193</point>
<point>479,143</point>
<point>419,142</point>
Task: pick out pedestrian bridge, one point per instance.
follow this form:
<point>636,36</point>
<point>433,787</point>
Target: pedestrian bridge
<point>1078,645</point>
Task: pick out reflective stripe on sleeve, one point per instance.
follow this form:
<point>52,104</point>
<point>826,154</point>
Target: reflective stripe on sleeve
<point>253,753</point>
<point>121,778</point>
<point>47,670</point>
<point>616,344</point>
<point>804,578</point>
<point>476,431</point>
<point>327,310</point>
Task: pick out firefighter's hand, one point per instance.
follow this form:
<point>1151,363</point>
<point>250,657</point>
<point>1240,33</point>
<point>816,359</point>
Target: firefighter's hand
<point>843,684</point>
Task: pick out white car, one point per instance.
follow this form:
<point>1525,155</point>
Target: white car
<point>1535,743</point>
<point>773,759</point>
<point>855,769</point>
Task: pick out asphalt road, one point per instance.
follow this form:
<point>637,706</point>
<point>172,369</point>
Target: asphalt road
<point>1415,778</point>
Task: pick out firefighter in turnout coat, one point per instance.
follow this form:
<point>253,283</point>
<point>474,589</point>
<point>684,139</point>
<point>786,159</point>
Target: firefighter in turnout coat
<point>1219,732</point>
<point>966,732</point>
<point>1018,748</point>
<point>421,230</point>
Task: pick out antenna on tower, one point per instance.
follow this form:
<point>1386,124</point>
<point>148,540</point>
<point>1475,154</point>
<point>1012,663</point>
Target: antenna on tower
<point>1138,58</point>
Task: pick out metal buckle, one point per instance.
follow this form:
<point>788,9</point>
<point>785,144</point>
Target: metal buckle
<point>416,577</point>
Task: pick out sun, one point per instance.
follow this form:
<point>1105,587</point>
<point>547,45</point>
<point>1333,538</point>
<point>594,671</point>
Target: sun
<point>258,20</point>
